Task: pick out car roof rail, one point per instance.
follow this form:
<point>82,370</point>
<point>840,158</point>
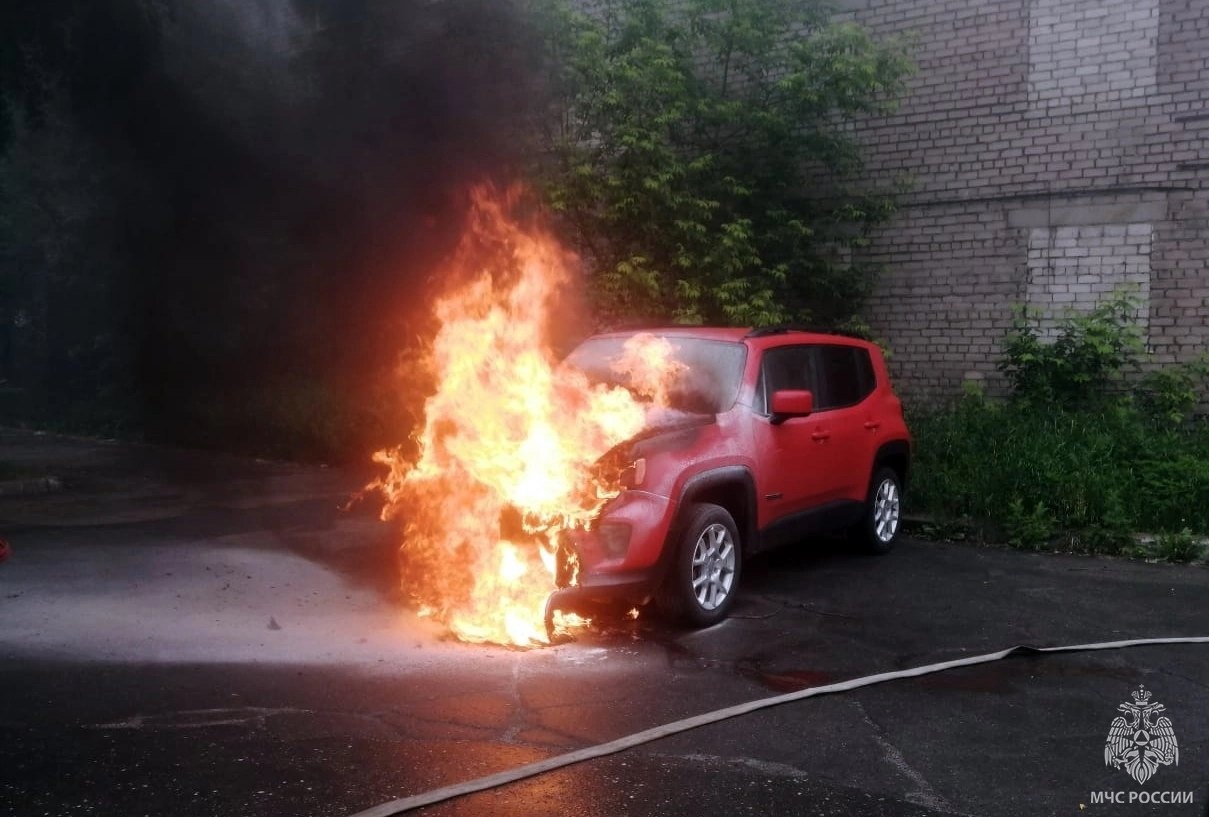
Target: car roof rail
<point>786,328</point>
<point>763,331</point>
<point>778,329</point>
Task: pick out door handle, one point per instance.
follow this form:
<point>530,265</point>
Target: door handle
<point>820,436</point>
<point>872,426</point>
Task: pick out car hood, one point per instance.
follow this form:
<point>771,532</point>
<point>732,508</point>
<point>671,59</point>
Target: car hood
<point>664,429</point>
<point>667,421</point>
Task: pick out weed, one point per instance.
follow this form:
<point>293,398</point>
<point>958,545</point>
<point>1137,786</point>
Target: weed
<point>1028,528</point>
<point>1179,546</point>
<point>1079,449</point>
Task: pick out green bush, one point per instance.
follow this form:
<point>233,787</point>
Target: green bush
<point>1180,546</point>
<point>1081,453</point>
<point>1098,475</point>
<point>1086,357</point>
<point>1030,529</point>
<point>1171,393</point>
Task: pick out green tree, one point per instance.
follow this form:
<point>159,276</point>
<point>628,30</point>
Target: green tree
<point>706,160</point>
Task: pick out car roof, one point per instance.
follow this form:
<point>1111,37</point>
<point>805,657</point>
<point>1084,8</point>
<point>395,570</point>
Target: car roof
<point>757,338</point>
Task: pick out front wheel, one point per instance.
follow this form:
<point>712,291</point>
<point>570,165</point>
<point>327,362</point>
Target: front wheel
<point>701,583</point>
<point>879,528</point>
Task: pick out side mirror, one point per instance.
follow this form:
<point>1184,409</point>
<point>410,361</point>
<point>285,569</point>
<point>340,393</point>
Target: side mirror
<point>790,403</point>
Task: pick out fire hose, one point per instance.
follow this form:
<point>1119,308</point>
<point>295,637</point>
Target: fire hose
<point>504,778</point>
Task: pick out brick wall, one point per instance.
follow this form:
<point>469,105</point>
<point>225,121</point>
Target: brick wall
<point>1071,268</point>
<point>1057,148</point>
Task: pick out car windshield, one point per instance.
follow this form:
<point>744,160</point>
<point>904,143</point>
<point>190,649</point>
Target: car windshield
<point>709,383</point>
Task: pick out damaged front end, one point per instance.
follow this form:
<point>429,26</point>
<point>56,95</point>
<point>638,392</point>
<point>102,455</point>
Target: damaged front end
<point>617,561</point>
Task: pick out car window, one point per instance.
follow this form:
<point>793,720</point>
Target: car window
<point>864,367</point>
<point>846,376</point>
<point>710,380</point>
<point>786,367</point>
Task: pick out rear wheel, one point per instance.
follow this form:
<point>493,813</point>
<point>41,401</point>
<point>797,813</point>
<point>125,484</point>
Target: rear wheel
<point>879,528</point>
<point>701,583</point>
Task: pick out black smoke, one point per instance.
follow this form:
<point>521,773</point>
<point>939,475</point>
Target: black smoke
<point>220,215</point>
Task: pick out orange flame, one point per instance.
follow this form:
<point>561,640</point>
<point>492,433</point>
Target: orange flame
<point>509,438</point>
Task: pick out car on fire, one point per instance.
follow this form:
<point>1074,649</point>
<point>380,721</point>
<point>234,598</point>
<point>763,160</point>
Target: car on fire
<point>772,435</point>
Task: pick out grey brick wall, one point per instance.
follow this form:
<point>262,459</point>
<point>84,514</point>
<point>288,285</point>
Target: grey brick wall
<point>1072,268</point>
<point>1057,147</point>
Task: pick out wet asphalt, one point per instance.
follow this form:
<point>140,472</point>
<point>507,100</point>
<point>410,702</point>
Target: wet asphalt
<point>195,634</point>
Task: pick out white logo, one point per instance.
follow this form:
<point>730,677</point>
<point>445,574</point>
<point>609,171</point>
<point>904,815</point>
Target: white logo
<point>1139,744</point>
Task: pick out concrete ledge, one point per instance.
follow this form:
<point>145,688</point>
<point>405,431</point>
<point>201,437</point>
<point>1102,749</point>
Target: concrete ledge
<point>1071,214</point>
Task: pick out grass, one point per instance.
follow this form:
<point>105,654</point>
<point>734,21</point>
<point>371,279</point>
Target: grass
<point>1084,480</point>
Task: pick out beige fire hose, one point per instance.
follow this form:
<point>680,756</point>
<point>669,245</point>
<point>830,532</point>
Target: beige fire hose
<point>666,730</point>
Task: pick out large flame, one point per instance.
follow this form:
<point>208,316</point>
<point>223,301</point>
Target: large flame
<point>509,437</point>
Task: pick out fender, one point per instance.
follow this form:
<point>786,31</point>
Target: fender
<point>895,450</point>
<point>702,486</point>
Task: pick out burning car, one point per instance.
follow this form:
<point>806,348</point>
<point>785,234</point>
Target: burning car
<point>644,465</point>
<point>761,438</point>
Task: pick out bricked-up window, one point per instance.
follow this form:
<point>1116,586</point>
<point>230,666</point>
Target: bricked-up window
<point>1072,269</point>
<point>1085,50</point>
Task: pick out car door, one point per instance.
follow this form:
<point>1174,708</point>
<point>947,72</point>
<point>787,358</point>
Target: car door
<point>789,477</point>
<point>842,405</point>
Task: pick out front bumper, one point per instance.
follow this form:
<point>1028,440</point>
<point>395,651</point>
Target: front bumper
<point>595,593</point>
<point>611,575</point>
<point>644,517</point>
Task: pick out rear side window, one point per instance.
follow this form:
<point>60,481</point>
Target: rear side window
<point>846,375</point>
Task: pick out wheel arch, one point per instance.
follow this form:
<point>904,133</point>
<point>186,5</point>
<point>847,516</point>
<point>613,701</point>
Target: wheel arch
<point>732,487</point>
<point>895,455</point>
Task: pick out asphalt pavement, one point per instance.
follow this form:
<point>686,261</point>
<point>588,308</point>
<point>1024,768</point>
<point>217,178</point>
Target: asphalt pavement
<point>197,634</point>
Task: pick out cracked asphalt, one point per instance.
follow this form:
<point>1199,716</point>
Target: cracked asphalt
<point>195,634</point>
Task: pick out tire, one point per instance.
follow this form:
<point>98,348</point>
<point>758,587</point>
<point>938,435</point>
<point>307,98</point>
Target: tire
<point>878,530</point>
<point>703,579</point>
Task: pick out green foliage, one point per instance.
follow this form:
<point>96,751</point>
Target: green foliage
<point>1028,528</point>
<point>705,160</point>
<point>1077,367</point>
<point>1179,546</point>
<point>1171,394</point>
<point>1098,475</point>
<point>1082,453</point>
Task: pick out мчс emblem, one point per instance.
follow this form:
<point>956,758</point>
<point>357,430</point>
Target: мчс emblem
<point>1139,743</point>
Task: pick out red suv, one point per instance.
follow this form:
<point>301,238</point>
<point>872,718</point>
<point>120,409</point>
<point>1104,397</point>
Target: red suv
<point>777,434</point>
